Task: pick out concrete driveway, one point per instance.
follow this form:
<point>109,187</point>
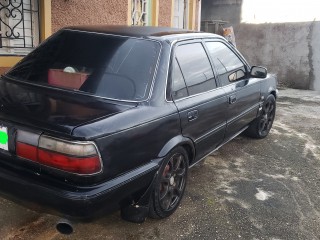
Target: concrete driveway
<point>249,189</point>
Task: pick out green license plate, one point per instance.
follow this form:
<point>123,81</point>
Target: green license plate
<point>4,138</point>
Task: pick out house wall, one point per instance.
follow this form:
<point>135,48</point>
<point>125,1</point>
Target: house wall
<point>75,12</point>
<point>114,12</point>
<point>3,70</point>
<point>197,15</point>
<point>45,31</point>
<point>165,8</point>
<point>291,50</point>
<point>56,14</point>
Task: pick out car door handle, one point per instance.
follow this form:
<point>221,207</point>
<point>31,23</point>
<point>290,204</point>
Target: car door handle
<point>232,99</point>
<point>193,115</point>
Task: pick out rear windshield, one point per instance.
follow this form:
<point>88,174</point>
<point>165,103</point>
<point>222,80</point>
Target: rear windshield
<point>108,66</point>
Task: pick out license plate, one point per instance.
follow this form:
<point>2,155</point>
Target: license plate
<point>4,138</point>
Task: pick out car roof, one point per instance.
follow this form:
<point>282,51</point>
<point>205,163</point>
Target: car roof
<point>161,33</point>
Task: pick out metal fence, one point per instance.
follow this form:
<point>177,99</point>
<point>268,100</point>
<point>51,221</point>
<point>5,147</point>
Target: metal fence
<point>19,24</point>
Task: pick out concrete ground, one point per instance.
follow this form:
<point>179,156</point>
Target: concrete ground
<point>249,189</point>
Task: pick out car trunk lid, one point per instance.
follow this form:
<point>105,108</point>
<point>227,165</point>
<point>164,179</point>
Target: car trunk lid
<point>52,110</point>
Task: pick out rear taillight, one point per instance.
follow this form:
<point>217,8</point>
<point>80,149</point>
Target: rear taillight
<point>74,157</point>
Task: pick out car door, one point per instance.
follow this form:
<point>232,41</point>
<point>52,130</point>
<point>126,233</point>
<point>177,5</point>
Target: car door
<point>201,105</point>
<point>243,92</point>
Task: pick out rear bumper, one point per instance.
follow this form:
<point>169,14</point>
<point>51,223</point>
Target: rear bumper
<point>71,201</point>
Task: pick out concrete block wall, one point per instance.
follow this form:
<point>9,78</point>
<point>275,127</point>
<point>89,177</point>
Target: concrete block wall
<point>315,55</point>
<point>290,50</point>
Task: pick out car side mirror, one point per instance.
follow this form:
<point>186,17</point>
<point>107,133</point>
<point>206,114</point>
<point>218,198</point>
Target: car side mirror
<point>258,72</point>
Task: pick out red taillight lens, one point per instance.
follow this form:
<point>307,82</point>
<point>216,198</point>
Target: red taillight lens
<point>26,151</point>
<point>83,165</point>
<point>74,157</point>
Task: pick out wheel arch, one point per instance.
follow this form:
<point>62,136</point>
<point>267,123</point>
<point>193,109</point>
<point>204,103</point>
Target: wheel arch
<point>274,93</point>
<point>176,141</point>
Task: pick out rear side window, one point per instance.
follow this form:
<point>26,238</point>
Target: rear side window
<point>195,67</point>
<point>107,66</point>
<point>179,86</point>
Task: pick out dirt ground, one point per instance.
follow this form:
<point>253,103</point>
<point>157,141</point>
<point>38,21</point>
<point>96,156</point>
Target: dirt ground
<point>248,189</point>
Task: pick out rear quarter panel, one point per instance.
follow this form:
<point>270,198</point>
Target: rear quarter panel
<point>132,138</point>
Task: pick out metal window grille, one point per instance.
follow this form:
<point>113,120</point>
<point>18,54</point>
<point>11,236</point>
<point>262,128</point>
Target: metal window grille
<point>19,26</point>
<point>140,12</point>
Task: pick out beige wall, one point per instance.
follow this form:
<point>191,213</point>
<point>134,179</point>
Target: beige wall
<point>3,70</point>
<point>197,15</point>
<point>165,13</point>
<point>74,12</point>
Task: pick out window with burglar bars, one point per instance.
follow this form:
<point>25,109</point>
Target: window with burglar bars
<point>140,9</point>
<point>19,26</point>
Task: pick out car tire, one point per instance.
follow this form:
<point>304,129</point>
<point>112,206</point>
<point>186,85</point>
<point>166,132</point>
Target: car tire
<point>261,126</point>
<point>170,184</point>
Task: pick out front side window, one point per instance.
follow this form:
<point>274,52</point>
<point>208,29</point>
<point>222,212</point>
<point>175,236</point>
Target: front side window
<point>228,65</point>
<point>19,26</point>
<point>107,66</point>
<point>195,67</point>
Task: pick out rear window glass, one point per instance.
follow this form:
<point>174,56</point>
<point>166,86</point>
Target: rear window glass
<point>103,65</point>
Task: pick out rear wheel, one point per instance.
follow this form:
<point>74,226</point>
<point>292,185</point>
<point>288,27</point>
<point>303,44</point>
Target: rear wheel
<point>170,184</point>
<point>261,126</point>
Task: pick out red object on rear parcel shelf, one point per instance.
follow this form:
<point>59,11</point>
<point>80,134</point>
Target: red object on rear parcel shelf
<point>59,78</point>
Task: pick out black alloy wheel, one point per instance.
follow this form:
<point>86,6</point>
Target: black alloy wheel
<point>261,126</point>
<point>170,184</point>
<point>267,117</point>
